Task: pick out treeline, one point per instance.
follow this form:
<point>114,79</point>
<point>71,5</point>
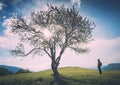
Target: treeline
<point>4,71</point>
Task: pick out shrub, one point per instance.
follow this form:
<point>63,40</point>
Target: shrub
<point>23,71</point>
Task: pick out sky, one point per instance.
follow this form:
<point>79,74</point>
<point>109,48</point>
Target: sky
<point>105,46</point>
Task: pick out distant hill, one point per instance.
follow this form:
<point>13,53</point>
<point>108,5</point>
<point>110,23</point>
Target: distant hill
<point>4,71</point>
<point>112,66</point>
<point>12,69</point>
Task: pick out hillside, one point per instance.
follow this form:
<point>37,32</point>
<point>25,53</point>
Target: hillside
<point>69,76</point>
<point>4,71</point>
<point>112,66</point>
<point>12,69</point>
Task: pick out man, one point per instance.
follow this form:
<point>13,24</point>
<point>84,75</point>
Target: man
<point>99,66</point>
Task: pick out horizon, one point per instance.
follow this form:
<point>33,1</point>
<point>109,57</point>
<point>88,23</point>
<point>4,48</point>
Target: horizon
<point>106,35</point>
<point>105,67</point>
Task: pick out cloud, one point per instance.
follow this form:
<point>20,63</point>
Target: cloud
<point>9,40</point>
<point>1,6</point>
<point>37,63</point>
<point>44,3</point>
<point>108,50</point>
<point>76,2</point>
<point>26,10</point>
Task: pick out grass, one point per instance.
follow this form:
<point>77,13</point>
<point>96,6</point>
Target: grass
<point>69,76</point>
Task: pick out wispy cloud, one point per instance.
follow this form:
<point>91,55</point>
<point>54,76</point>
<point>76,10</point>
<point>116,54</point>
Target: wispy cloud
<point>76,2</point>
<point>9,40</point>
<point>38,5</point>
<point>1,6</point>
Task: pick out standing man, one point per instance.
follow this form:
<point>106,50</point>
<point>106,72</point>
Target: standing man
<point>99,66</point>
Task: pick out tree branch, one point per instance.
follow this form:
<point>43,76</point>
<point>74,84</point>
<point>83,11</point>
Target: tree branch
<point>47,53</point>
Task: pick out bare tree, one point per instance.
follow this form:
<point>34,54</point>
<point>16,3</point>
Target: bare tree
<point>51,32</point>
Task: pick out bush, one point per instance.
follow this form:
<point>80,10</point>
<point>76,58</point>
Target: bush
<point>23,71</point>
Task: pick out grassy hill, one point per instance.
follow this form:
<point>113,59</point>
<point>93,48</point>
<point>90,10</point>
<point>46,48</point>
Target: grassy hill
<point>69,76</point>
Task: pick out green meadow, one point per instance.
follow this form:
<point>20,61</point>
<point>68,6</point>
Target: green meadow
<point>68,76</point>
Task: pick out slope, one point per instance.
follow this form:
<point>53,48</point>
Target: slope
<point>69,76</point>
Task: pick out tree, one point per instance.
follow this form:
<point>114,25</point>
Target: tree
<point>23,71</point>
<point>52,32</point>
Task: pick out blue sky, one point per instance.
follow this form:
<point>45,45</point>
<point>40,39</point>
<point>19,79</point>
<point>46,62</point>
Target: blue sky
<point>106,45</point>
<point>106,12</point>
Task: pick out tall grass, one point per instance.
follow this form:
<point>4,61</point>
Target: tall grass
<point>68,76</point>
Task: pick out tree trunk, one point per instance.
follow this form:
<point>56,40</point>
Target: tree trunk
<point>54,69</point>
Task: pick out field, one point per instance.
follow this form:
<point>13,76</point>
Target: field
<point>68,76</point>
